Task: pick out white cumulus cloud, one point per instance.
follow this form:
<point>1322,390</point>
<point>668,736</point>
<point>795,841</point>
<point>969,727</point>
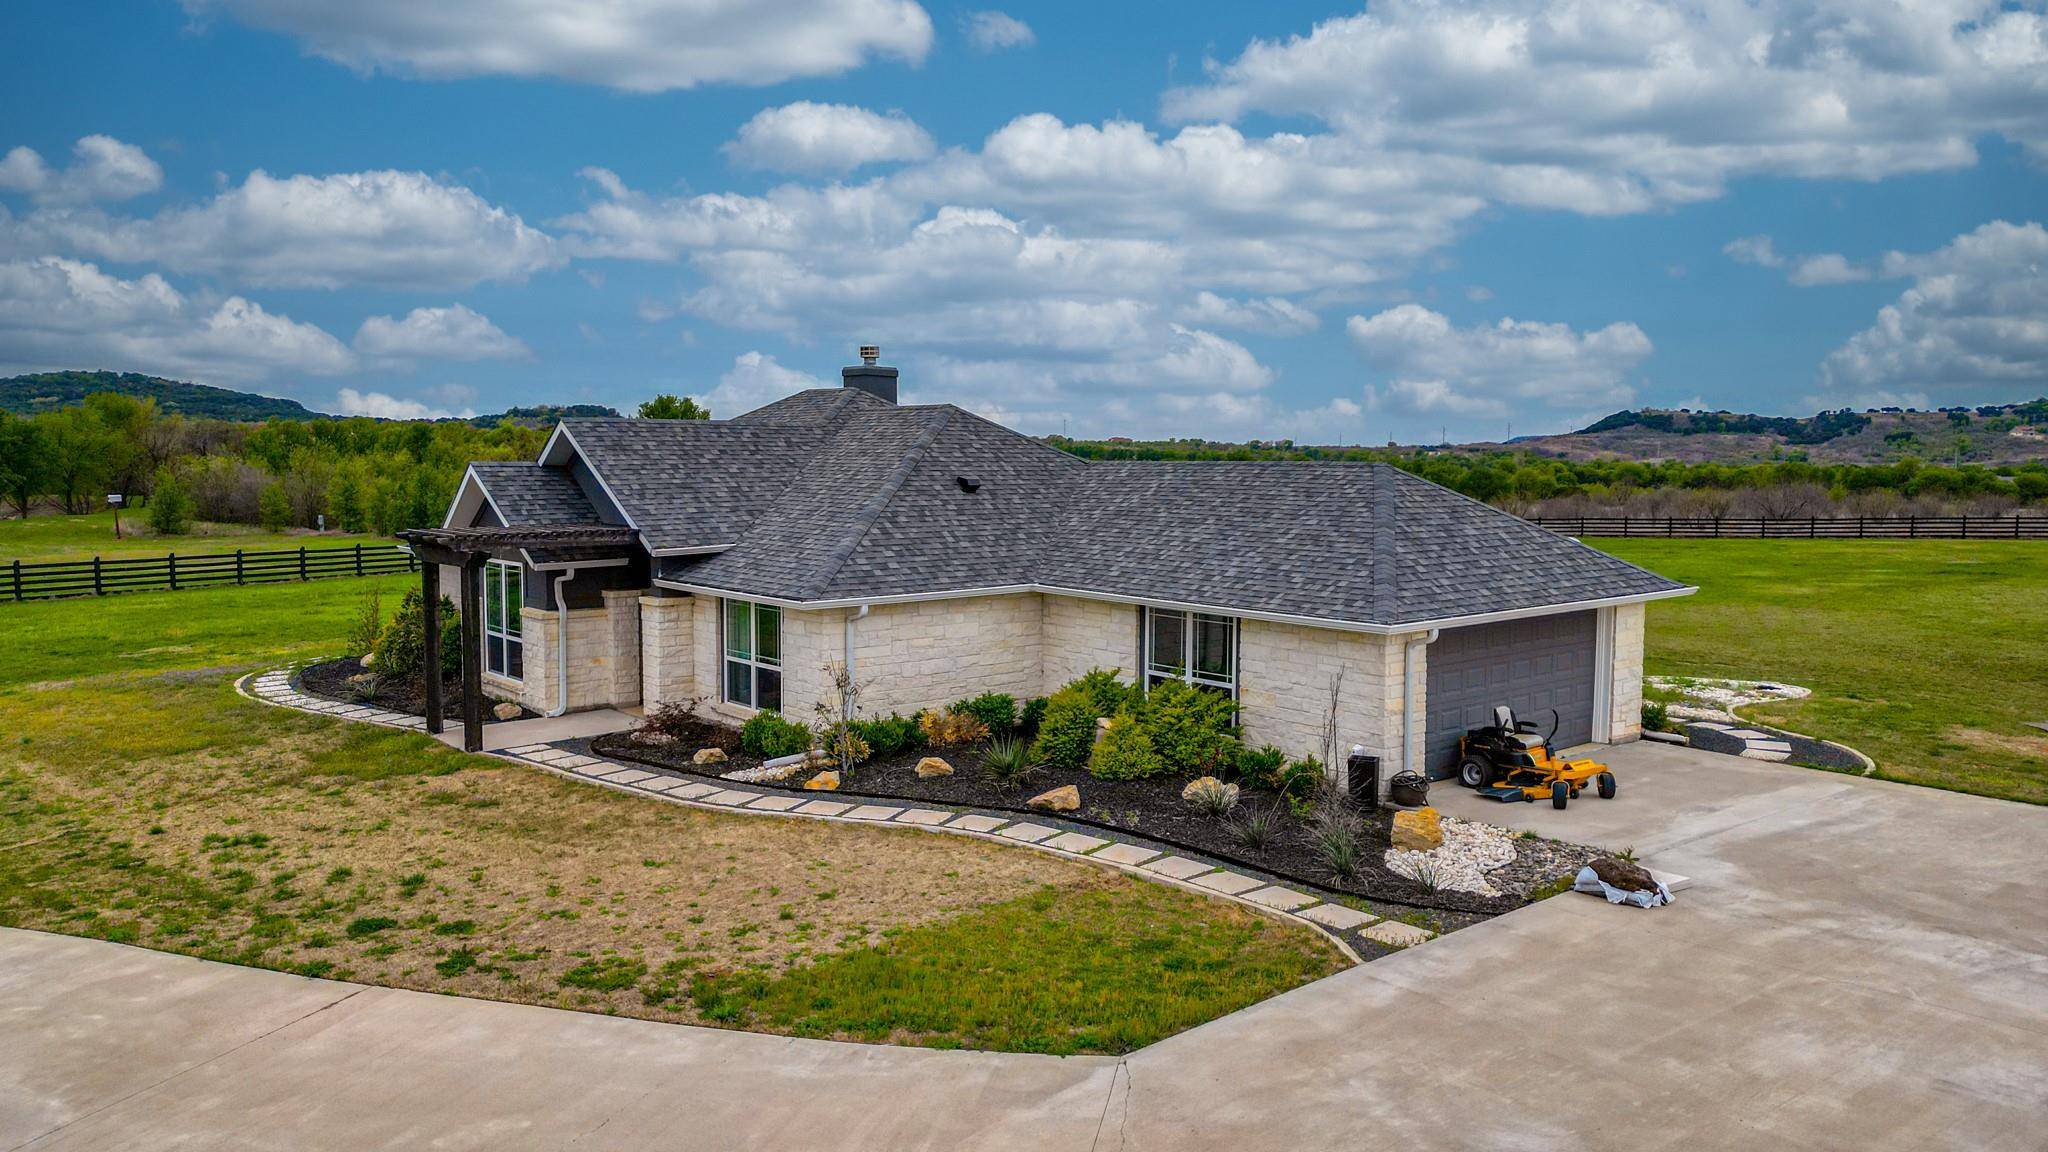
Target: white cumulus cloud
<point>753,380</point>
<point>102,168</point>
<point>991,31</point>
<point>635,45</point>
<point>451,333</point>
<point>808,137</point>
<point>1513,368</point>
<point>1272,315</point>
<point>384,406</point>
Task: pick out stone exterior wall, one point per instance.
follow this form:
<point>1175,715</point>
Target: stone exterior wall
<point>668,657</point>
<point>1625,694</point>
<point>1284,677</point>
<point>590,658</point>
<point>930,653</point>
<point>622,656</point>
<point>1083,634</point>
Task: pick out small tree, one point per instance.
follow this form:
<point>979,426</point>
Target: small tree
<point>836,709</point>
<point>170,503</point>
<point>667,407</point>
<point>274,508</point>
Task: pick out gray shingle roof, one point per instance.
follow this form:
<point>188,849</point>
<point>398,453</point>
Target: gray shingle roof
<point>529,493</point>
<point>835,495</point>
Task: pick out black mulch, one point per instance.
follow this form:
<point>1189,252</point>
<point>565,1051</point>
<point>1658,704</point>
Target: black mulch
<point>1806,751</point>
<point>329,680</point>
<point>1152,809</point>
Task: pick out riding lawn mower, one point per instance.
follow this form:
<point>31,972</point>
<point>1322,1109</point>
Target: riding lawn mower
<point>1509,762</point>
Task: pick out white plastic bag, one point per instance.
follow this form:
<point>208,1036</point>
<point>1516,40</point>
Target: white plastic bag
<point>1589,881</point>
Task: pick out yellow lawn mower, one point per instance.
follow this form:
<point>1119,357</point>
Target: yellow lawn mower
<point>1509,762</point>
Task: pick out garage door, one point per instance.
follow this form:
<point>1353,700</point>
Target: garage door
<point>1530,665</point>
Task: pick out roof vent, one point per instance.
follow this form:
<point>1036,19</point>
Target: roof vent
<point>870,377</point>
<point>967,483</point>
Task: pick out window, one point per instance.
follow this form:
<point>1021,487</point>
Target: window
<point>753,654</point>
<point>1194,647</point>
<point>504,595</point>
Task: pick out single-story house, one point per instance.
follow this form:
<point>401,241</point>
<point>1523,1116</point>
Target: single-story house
<point>942,555</point>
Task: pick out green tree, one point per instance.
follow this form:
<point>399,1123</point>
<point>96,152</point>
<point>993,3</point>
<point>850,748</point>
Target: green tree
<point>345,504</point>
<point>170,503</point>
<point>24,462</point>
<point>667,407</point>
<point>274,508</point>
<point>79,448</point>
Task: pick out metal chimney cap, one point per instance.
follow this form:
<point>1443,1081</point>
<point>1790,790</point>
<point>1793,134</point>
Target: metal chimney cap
<point>870,353</point>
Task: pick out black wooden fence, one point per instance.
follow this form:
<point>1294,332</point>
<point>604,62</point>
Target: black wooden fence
<point>101,577</point>
<point>1804,528</point>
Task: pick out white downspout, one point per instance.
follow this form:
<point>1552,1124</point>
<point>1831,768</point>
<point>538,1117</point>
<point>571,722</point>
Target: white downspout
<point>860,614</point>
<point>1411,752</point>
<point>561,644</point>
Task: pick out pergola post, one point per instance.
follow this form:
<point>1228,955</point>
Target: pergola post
<point>472,654</point>
<point>430,603</point>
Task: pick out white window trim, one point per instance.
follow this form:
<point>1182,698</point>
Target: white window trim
<point>754,662</point>
<point>1187,674</point>
<point>512,631</point>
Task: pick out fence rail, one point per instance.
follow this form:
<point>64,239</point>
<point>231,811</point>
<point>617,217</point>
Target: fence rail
<point>100,576</point>
<point>1803,528</point>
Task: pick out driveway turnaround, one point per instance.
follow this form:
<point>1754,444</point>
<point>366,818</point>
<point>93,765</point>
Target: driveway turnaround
<point>1859,964</point>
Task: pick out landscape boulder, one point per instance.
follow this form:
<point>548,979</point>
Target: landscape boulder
<point>823,782</point>
<point>1065,798</point>
<point>651,738</point>
<point>1202,787</point>
<point>505,710</point>
<point>932,766</point>
<point>369,660</point>
<point>709,756</point>
<point>1418,831</point>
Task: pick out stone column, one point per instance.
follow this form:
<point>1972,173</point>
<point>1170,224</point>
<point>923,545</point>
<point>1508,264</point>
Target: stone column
<point>667,649</point>
<point>622,612</point>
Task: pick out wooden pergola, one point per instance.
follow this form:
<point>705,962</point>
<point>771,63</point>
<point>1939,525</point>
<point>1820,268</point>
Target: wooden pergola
<point>469,549</point>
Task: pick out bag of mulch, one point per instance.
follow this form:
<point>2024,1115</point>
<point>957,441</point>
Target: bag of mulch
<point>1622,883</point>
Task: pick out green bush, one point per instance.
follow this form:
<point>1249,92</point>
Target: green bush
<point>1067,732</point>
<point>1300,778</point>
<point>170,504</point>
<point>402,647</point>
<point>998,710</point>
<point>1260,767</point>
<point>768,736</point>
<point>1190,728</point>
<point>1656,717</point>
<point>274,508</point>
<point>1108,693</point>
<point>1028,718</point>
<point>890,736</point>
<point>1125,752</point>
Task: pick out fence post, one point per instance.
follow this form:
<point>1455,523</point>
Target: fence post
<point>1966,525</point>
<point>238,567</point>
<point>1912,527</point>
<point>171,562</point>
<point>302,561</point>
<point>1859,527</point>
<point>17,565</point>
<point>359,559</point>
<point>1667,527</point>
<point>1810,520</point>
<point>97,588</point>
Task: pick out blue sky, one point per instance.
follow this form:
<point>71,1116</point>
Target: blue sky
<point>1329,223</point>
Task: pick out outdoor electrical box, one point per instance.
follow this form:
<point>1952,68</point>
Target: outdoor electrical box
<point>1363,772</point>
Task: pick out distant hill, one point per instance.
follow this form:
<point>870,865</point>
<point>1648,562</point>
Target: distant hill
<point>1988,434</point>
<point>46,391</point>
<point>542,415</point>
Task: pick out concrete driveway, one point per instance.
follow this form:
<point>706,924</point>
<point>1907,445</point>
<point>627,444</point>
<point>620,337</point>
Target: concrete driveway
<point>1859,965</point>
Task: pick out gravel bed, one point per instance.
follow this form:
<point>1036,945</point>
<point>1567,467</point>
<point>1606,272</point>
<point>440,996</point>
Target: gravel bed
<point>1806,751</point>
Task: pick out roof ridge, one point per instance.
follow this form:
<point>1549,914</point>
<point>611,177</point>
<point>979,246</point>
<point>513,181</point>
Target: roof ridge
<point>872,510</point>
<point>1386,563</point>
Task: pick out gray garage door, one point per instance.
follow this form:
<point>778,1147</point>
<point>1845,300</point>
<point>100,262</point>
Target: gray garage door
<point>1530,665</point>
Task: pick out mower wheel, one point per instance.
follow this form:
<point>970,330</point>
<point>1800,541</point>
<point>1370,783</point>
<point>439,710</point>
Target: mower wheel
<point>1473,772</point>
<point>1560,794</point>
<point>1605,782</point>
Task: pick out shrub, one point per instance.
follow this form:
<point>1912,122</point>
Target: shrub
<point>1189,728</point>
<point>842,742</point>
<point>1255,829</point>
<point>944,729</point>
<point>1656,717</point>
<point>1338,839</point>
<point>767,735</point>
<point>1211,797</point>
<point>887,737</point>
<point>369,622</point>
<point>402,647</point>
<point>1300,778</point>
<point>170,503</point>
<point>996,710</point>
<point>1067,731</point>
<point>1125,752</point>
<point>1108,693</point>
<point>1007,762</point>
<point>274,508</point>
<point>1260,767</point>
<point>678,720</point>
<point>1028,718</point>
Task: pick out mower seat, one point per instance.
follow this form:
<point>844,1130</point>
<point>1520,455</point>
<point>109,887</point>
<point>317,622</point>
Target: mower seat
<point>1522,732</point>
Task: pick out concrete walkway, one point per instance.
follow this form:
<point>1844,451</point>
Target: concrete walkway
<point>1860,964</point>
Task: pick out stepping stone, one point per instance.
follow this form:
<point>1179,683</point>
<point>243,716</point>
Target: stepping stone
<point>1338,916</point>
<point>824,808</point>
<point>594,771</point>
<point>1745,734</point>
<point>776,803</point>
<point>666,784</point>
<point>1228,883</point>
<point>1285,899</point>
<point>1395,934</point>
<point>1075,842</point>
<point>1709,725</point>
<point>1672,881</point>
<point>693,791</point>
<point>974,823</point>
<point>575,761</point>
<point>1028,833</point>
<point>925,816</point>
<point>1758,754</point>
<point>527,749</point>
<point>1178,867</point>
<point>629,776</point>
<point>1769,745</point>
<point>549,755</point>
<point>732,796</point>
<point>1126,854</point>
<point>873,812</point>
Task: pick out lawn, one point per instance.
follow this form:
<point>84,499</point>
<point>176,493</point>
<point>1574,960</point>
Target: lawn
<point>142,800</point>
<point>1926,655</point>
<point>41,539</point>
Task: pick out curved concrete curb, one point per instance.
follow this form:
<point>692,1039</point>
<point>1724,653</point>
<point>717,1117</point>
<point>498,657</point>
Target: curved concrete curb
<point>1761,745</point>
<point>1130,855</point>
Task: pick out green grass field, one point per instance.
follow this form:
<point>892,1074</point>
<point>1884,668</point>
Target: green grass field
<point>1926,655</point>
<point>143,801</point>
<point>41,539</point>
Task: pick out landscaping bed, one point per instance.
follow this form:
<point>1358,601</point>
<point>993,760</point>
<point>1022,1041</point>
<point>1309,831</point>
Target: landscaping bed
<point>1806,751</point>
<point>330,680</point>
<point>1152,808</point>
